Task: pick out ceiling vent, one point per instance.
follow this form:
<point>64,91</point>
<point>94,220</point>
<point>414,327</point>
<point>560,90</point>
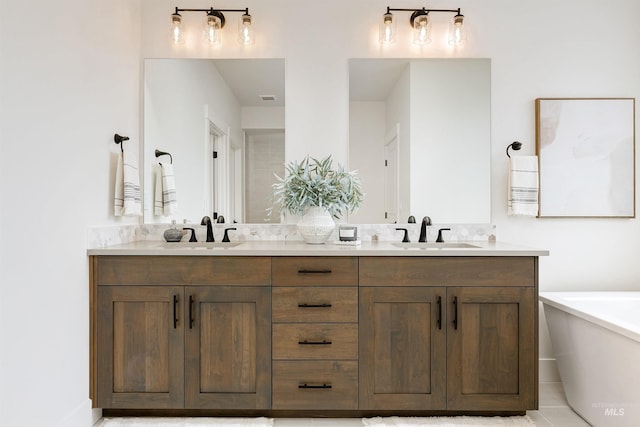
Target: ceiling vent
<point>268,98</point>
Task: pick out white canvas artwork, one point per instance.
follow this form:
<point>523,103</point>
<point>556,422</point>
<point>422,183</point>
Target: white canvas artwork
<point>586,150</point>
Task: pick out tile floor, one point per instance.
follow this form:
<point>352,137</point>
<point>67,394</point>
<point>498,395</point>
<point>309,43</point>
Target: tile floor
<point>554,412</point>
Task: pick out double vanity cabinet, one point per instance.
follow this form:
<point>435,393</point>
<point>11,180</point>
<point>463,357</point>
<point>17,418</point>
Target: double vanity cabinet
<point>317,333</point>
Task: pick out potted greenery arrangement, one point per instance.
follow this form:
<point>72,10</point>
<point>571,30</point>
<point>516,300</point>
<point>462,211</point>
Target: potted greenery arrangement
<point>315,190</point>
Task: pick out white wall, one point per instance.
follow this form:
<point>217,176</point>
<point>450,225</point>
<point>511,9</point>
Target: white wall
<point>70,80</point>
<point>450,124</point>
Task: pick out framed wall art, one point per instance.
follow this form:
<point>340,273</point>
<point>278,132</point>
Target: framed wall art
<point>586,154</point>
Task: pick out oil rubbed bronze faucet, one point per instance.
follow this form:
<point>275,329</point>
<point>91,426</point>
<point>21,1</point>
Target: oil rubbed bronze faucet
<point>426,221</point>
<point>207,221</point>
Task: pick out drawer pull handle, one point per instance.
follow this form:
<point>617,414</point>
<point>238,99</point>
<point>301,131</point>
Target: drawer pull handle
<point>305,385</point>
<point>305,271</point>
<point>314,305</point>
<point>323,342</point>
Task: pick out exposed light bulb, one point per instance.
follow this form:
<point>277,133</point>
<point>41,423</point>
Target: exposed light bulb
<point>387,29</point>
<point>176,34</point>
<point>212,29</point>
<point>422,30</point>
<point>246,35</point>
<point>457,34</point>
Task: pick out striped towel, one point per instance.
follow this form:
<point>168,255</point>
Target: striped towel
<point>523,186</point>
<point>165,201</point>
<point>127,201</point>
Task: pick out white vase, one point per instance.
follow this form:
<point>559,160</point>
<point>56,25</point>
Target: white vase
<point>316,225</point>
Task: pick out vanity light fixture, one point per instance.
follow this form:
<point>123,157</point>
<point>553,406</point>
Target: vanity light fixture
<point>213,24</point>
<point>420,22</point>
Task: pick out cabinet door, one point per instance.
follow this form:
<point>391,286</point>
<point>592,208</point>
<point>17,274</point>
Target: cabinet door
<point>402,348</point>
<point>492,357</point>
<point>140,347</point>
<point>228,347</point>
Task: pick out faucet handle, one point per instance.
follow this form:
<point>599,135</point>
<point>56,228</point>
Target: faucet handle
<point>226,234</point>
<point>405,239</point>
<point>193,234</point>
<point>440,239</point>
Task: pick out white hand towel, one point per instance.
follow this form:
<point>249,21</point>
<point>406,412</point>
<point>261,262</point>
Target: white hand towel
<point>523,186</point>
<point>158,204</point>
<point>169,196</point>
<point>127,199</point>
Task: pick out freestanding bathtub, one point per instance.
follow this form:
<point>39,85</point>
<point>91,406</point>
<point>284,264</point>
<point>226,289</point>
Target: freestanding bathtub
<point>596,342</point>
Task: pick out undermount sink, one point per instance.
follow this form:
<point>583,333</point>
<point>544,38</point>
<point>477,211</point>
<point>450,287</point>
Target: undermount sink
<point>434,245</point>
<point>200,245</point>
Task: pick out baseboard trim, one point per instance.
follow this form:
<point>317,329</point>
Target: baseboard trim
<point>548,371</point>
<point>82,416</point>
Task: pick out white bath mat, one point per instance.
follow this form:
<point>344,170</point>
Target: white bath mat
<point>185,422</point>
<point>523,421</point>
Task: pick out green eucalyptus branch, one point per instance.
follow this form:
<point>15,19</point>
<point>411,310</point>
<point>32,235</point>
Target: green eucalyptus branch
<point>313,182</point>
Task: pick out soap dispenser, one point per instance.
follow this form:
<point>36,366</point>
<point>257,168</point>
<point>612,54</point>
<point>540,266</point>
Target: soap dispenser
<point>173,234</point>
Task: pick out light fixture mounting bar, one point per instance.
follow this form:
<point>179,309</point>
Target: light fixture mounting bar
<point>213,12</point>
<point>424,9</point>
<point>246,10</point>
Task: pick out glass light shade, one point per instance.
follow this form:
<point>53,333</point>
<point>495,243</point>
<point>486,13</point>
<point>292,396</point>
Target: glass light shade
<point>387,29</point>
<point>422,30</point>
<point>212,29</point>
<point>246,35</point>
<point>457,33</point>
<point>176,34</point>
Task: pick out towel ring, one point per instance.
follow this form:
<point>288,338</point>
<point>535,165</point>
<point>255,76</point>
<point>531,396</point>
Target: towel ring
<point>118,139</point>
<point>516,145</point>
<point>164,153</point>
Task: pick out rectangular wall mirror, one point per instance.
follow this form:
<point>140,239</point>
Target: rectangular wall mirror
<point>420,138</point>
<point>233,107</point>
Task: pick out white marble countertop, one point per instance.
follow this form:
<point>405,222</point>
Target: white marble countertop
<point>299,248</point>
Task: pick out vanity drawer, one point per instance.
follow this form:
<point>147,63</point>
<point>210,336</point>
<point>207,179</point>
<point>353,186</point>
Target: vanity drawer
<point>448,271</point>
<point>183,270</point>
<point>314,271</point>
<point>315,385</point>
<point>312,304</point>
<point>315,341</point>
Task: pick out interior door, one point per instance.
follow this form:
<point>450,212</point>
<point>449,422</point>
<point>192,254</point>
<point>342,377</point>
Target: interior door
<point>391,179</point>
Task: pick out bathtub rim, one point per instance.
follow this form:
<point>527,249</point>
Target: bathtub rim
<point>558,299</point>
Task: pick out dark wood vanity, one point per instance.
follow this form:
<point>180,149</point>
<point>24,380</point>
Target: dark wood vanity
<point>314,335</point>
